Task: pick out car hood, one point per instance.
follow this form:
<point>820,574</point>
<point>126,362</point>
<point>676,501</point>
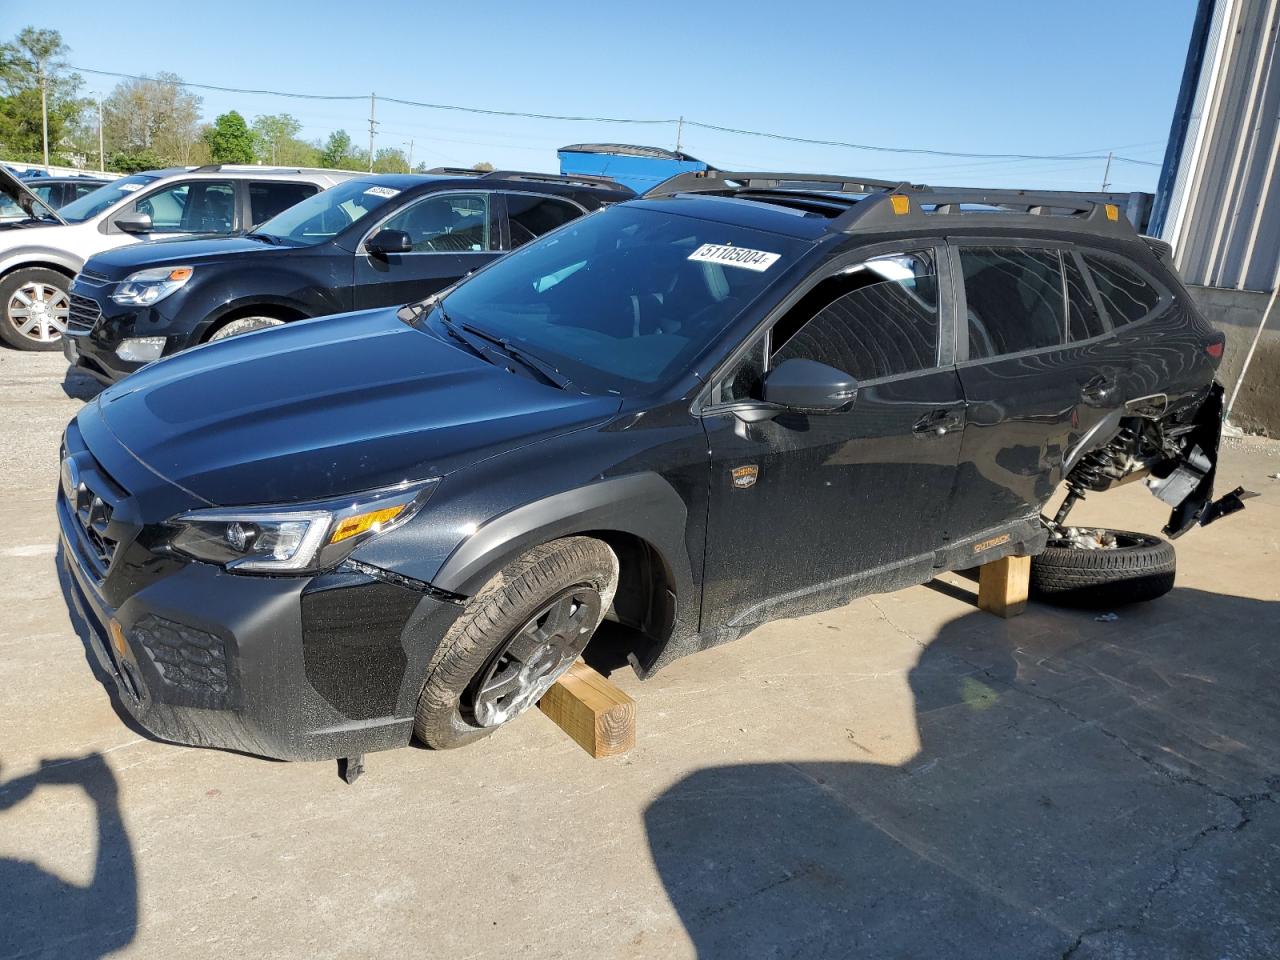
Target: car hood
<point>163,253</point>
<point>16,190</point>
<point>330,407</point>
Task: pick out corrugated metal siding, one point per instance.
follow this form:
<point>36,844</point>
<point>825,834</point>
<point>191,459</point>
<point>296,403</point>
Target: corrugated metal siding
<point>1224,206</point>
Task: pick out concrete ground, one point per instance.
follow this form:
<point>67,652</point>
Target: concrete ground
<point>901,777</point>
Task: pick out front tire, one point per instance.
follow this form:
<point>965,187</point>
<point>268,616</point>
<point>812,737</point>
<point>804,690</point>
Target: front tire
<point>244,325</point>
<point>515,638</point>
<point>1133,568</point>
<point>34,307</point>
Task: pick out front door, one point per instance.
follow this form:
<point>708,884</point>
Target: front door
<point>804,506</point>
<point>451,234</point>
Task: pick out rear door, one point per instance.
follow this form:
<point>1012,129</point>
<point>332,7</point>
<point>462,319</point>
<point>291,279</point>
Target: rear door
<point>1039,368</point>
<point>266,198</point>
<point>530,215</point>
<point>451,234</point>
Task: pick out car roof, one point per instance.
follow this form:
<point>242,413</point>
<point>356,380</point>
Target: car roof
<point>215,171</point>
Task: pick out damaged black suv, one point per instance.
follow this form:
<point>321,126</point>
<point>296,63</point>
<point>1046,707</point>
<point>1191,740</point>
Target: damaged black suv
<point>742,397</point>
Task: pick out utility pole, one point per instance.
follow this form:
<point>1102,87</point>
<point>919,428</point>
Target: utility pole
<point>44,109</point>
<point>102,154</point>
<point>373,108</point>
<point>1106,174</point>
<point>679,133</point>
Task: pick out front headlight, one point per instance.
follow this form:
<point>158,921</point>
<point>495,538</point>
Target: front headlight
<point>294,540</point>
<point>146,287</point>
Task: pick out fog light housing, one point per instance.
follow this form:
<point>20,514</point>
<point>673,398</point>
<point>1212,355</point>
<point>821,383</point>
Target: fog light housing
<point>141,349</point>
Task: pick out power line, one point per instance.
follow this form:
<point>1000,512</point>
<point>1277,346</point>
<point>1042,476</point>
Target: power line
<point>679,122</point>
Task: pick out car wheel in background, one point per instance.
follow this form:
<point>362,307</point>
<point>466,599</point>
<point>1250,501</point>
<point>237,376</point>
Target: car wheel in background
<point>1090,567</point>
<point>34,306</point>
<point>515,638</point>
<point>244,325</point>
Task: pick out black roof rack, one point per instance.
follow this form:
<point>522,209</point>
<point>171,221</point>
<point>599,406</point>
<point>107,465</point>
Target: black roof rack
<point>916,206</point>
<point>455,171</point>
<point>580,179</point>
<point>723,181</point>
<point>885,204</point>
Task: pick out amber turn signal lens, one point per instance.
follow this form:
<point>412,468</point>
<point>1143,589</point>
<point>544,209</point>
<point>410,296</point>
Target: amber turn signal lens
<point>1113,212</point>
<point>353,526</point>
<point>901,204</point>
<point>117,637</point>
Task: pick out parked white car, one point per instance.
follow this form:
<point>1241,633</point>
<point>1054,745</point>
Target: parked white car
<point>41,253</point>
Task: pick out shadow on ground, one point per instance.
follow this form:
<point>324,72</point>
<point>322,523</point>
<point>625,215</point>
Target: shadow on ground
<point>80,386</point>
<point>44,915</point>
<point>1083,789</point>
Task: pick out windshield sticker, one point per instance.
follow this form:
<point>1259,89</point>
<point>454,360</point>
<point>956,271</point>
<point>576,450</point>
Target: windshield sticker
<point>385,192</point>
<point>757,260</point>
<point>129,187</point>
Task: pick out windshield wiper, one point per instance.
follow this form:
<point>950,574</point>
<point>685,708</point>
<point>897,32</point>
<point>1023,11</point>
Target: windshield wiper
<point>450,328</point>
<point>539,366</point>
<point>264,237</point>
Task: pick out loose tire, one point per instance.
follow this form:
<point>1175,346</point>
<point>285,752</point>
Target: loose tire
<point>1141,567</point>
<point>34,306</point>
<point>515,638</point>
<point>244,325</point>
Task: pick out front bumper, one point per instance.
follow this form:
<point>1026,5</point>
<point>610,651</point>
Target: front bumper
<point>98,325</point>
<point>292,668</point>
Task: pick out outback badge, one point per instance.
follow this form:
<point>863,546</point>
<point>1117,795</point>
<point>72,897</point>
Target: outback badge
<point>745,476</point>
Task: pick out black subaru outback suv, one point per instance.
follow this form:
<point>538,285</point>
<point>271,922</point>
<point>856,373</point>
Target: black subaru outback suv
<point>372,242</point>
<point>743,397</point>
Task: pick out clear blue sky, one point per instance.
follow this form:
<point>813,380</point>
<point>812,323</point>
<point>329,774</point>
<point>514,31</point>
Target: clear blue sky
<point>988,76</point>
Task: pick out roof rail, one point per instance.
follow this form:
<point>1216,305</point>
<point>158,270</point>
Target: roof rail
<point>580,179</point>
<point>260,168</point>
<point>455,171</point>
<point>728,181</point>
<point>923,203</point>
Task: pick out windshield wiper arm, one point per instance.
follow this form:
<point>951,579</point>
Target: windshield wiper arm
<point>265,237</point>
<point>539,366</point>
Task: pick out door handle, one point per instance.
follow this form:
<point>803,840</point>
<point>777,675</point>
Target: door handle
<point>936,424</point>
<point>1098,389</point>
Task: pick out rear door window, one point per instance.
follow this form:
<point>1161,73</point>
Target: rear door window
<point>272,197</point>
<point>872,320</point>
<point>531,216</point>
<point>1127,295</point>
<point>1014,299</point>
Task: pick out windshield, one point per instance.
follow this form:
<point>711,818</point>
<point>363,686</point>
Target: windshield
<point>91,204</point>
<point>328,213</point>
<point>627,297</point>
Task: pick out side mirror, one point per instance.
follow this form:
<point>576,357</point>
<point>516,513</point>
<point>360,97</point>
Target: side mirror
<point>135,222</point>
<point>386,242</point>
<point>807,386</point>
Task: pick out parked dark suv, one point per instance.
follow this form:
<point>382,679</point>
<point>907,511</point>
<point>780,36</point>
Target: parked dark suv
<point>743,397</point>
<point>372,242</point>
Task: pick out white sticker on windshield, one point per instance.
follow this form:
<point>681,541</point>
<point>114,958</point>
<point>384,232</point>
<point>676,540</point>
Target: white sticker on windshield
<point>758,260</point>
<point>129,187</point>
<point>385,192</point>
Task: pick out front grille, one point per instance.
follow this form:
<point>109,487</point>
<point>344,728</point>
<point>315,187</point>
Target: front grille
<point>84,313</point>
<point>93,279</point>
<point>94,515</point>
<point>91,500</point>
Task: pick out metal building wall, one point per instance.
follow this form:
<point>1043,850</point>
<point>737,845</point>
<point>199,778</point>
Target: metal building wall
<point>1220,195</point>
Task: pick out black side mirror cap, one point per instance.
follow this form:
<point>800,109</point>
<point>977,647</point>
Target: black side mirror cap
<point>386,242</point>
<point>135,222</point>
<point>807,386</point>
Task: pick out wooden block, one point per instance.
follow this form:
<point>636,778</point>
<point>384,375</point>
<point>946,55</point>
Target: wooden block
<point>591,710</point>
<point>1002,586</point>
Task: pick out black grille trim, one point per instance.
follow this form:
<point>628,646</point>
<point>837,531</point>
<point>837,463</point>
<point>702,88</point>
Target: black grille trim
<point>83,315</point>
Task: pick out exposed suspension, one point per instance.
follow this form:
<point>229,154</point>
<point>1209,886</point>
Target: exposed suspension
<point>1096,470</point>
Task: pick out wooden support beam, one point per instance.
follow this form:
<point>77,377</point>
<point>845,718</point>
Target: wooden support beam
<point>591,710</point>
<point>1002,586</point>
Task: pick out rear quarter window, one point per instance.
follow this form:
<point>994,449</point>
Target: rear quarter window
<point>1128,294</point>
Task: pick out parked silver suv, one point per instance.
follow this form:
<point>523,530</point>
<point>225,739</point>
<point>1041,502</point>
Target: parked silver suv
<point>41,254</point>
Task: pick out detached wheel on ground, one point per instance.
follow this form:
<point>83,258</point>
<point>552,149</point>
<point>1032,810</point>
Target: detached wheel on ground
<point>516,637</point>
<point>34,306</point>
<point>1093,567</point>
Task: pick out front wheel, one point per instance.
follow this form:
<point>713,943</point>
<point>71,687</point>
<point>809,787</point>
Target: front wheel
<point>515,638</point>
<point>34,306</point>
<point>244,325</point>
<point>1091,567</point>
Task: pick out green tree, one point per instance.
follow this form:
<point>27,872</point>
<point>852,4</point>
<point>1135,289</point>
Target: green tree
<point>276,140</point>
<point>390,160</point>
<point>154,117</point>
<point>484,166</point>
<point>230,139</point>
<point>33,63</point>
<point>338,153</point>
